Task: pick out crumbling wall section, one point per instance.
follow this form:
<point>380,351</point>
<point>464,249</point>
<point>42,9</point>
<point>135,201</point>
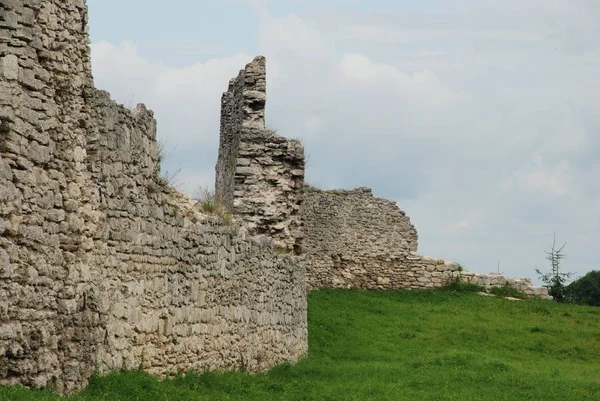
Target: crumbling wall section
<point>102,265</point>
<point>490,280</point>
<point>259,174</point>
<point>355,240</point>
<point>178,289</point>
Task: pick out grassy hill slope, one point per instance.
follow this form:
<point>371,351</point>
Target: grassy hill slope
<point>419,345</point>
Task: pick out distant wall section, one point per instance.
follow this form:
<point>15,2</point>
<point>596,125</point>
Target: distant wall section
<point>352,238</point>
<point>355,240</point>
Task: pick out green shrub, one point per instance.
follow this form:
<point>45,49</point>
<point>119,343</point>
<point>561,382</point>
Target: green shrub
<point>209,203</point>
<point>457,285</point>
<point>507,291</point>
<point>585,290</point>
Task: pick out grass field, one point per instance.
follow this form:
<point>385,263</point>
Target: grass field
<point>420,345</point>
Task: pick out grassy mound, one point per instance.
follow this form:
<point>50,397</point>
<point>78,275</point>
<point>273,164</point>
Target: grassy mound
<point>420,345</point>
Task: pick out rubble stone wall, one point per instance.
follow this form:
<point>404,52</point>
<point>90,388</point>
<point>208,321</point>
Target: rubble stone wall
<point>259,174</point>
<point>102,265</point>
<point>47,330</point>
<point>350,236</point>
<point>181,289</point>
<point>355,240</point>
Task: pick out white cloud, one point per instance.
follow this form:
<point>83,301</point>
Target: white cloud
<point>124,71</point>
<point>421,88</point>
<point>292,38</point>
<point>398,35</point>
<point>464,224</point>
<point>314,125</point>
<point>541,178</point>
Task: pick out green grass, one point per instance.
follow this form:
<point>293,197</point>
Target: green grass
<point>210,203</point>
<point>436,345</point>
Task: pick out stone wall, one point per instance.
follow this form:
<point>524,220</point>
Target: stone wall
<point>102,265</point>
<point>497,280</point>
<point>46,217</point>
<point>348,238</point>
<point>182,290</point>
<point>355,240</point>
<point>349,235</point>
<point>259,174</point>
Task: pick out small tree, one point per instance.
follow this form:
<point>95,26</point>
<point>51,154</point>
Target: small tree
<point>555,280</point>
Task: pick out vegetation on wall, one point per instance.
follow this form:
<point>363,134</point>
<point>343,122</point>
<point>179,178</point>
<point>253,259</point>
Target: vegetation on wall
<point>166,177</point>
<point>507,291</point>
<point>457,285</point>
<point>210,203</point>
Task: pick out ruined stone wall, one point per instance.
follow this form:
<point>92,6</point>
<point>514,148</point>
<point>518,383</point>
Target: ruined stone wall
<point>46,214</point>
<point>348,238</point>
<point>497,280</point>
<point>355,240</point>
<point>349,235</point>
<point>259,174</point>
<point>102,265</point>
<point>181,289</point>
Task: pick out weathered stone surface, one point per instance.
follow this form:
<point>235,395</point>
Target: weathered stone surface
<point>354,240</point>
<point>352,231</point>
<point>102,265</point>
<point>9,67</point>
<point>259,175</point>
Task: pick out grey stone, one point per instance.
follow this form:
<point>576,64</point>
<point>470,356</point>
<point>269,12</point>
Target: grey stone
<point>9,67</point>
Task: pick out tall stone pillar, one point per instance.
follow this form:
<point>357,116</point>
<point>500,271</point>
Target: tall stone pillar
<point>259,174</point>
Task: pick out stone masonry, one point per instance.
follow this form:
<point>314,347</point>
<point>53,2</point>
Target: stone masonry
<point>354,240</point>
<point>102,265</point>
<point>259,175</point>
<point>347,238</point>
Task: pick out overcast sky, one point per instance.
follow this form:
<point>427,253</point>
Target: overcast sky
<point>481,118</point>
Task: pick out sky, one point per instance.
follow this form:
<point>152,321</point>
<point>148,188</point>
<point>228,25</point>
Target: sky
<point>480,118</point>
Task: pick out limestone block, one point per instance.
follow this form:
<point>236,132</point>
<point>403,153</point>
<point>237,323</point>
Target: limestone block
<point>11,20</point>
<point>9,67</point>
<point>383,281</point>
